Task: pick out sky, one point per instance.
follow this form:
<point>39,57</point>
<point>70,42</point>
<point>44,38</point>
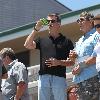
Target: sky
<point>79,4</point>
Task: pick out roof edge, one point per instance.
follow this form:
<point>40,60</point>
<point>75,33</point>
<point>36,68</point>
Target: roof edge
<point>30,25</point>
<point>63,5</point>
<point>17,29</point>
<point>77,12</point>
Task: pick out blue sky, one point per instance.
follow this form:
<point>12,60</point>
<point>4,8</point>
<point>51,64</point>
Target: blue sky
<point>79,4</point>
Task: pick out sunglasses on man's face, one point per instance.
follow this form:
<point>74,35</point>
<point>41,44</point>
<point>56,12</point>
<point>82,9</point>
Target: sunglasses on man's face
<point>82,19</point>
<point>52,21</point>
<point>97,26</point>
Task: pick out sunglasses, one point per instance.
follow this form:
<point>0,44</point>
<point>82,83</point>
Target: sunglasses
<point>52,21</point>
<point>82,19</point>
<point>97,26</point>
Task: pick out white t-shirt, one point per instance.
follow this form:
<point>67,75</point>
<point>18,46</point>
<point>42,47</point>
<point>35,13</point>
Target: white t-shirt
<point>97,51</point>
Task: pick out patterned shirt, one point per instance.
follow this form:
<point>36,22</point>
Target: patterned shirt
<point>84,48</point>
<point>16,73</point>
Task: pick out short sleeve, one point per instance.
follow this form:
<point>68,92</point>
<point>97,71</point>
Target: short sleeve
<point>21,74</point>
<point>94,54</point>
<point>37,41</point>
<point>70,45</point>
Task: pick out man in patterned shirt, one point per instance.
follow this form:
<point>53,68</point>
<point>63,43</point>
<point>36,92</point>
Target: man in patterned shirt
<point>85,73</point>
<point>15,86</point>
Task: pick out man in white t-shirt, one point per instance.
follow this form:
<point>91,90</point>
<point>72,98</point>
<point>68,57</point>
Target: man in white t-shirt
<point>97,47</point>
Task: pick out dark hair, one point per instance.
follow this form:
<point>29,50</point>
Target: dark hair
<point>7,52</point>
<point>57,16</point>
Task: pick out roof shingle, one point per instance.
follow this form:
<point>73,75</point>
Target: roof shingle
<point>15,13</point>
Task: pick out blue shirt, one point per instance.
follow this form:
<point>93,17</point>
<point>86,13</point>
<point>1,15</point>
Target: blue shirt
<point>84,48</point>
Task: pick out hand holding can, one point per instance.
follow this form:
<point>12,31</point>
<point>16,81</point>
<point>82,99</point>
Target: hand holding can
<point>44,21</point>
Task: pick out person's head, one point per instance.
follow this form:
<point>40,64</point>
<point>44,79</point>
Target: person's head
<point>97,22</point>
<point>85,21</point>
<point>54,22</point>
<point>7,55</point>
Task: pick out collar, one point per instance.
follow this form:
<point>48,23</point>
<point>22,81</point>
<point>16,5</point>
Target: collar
<point>60,35</point>
<point>11,64</point>
<point>90,32</point>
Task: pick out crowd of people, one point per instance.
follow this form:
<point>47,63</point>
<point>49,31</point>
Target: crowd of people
<point>56,53</point>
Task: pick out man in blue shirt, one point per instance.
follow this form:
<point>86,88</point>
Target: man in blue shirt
<point>85,73</point>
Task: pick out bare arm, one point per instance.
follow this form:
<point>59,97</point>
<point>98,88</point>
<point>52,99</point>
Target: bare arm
<point>29,43</point>
<point>54,62</point>
<point>5,76</point>
<point>90,60</point>
<point>86,63</point>
<point>20,90</point>
<point>66,63</point>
